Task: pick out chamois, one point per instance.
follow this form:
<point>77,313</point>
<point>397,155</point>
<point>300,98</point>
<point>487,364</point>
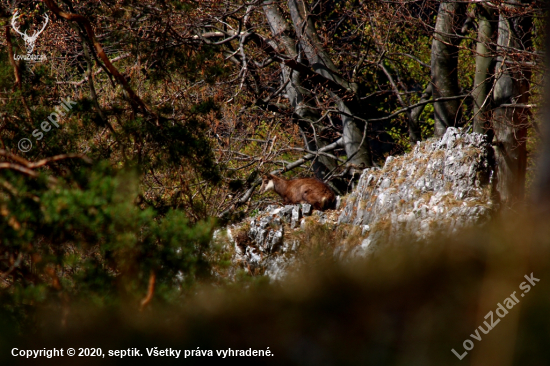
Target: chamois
<point>309,190</point>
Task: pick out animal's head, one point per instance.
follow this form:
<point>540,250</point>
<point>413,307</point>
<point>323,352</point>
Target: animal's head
<point>267,184</point>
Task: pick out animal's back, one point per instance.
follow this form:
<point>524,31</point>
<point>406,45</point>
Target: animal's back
<point>312,191</point>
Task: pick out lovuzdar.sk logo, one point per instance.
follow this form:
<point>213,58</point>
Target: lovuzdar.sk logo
<point>29,40</point>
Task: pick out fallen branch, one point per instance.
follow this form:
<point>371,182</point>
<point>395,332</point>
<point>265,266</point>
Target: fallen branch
<point>19,168</point>
<point>43,162</point>
<point>150,291</point>
<point>26,167</point>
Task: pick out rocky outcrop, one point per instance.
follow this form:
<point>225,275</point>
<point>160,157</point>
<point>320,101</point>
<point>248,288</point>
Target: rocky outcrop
<point>441,186</point>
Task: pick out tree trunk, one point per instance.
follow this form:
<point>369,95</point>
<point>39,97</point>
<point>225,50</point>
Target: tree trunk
<point>511,91</point>
<point>306,116</point>
<point>301,100</point>
<point>484,75</point>
<point>445,64</point>
<point>541,191</point>
<point>356,142</point>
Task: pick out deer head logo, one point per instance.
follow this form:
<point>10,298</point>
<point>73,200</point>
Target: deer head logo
<point>29,40</point>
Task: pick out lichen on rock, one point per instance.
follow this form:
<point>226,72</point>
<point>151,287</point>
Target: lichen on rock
<point>441,186</point>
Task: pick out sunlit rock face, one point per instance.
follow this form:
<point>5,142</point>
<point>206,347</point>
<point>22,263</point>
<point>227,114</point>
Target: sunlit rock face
<point>440,187</point>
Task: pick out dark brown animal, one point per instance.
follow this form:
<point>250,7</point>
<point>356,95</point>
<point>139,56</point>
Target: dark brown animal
<point>309,190</point>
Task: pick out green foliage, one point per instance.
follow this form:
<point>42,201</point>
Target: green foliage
<point>428,127</point>
<point>399,136</point>
<point>6,72</point>
<point>85,239</point>
<point>205,106</point>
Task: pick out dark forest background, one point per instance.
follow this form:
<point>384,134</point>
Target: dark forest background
<point>179,108</point>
